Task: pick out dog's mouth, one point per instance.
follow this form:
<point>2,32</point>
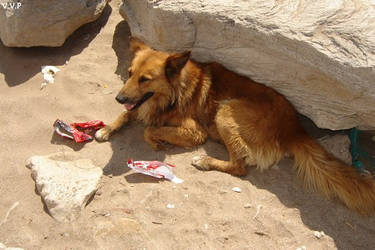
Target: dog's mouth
<point>130,105</point>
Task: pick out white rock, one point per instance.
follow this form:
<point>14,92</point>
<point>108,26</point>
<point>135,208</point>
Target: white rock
<point>301,248</point>
<point>64,184</point>
<point>319,54</point>
<point>236,189</point>
<point>45,23</point>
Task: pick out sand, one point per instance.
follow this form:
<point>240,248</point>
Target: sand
<point>272,211</point>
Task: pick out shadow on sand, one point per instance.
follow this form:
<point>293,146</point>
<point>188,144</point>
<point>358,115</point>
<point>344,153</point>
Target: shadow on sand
<point>20,64</point>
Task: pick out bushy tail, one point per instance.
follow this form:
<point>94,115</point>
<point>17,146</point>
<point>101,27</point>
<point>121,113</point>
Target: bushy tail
<point>321,171</point>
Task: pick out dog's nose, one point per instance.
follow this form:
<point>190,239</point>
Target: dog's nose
<point>121,99</point>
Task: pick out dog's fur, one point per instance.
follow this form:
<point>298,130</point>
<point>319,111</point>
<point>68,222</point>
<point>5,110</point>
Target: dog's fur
<point>183,102</point>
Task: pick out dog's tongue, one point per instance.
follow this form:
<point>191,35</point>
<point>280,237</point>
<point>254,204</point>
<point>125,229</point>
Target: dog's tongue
<point>129,106</point>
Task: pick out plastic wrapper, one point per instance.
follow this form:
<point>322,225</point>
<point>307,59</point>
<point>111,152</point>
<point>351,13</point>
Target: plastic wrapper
<point>79,132</point>
<point>156,169</point>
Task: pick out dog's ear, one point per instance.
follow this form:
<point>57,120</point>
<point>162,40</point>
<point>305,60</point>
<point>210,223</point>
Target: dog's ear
<point>136,45</point>
<point>175,63</point>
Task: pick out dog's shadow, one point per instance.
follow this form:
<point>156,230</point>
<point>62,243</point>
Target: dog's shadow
<point>120,45</point>
<point>348,229</point>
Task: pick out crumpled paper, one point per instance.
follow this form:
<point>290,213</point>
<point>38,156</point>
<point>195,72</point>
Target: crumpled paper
<point>48,75</point>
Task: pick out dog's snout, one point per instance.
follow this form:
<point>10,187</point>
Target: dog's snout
<point>121,99</point>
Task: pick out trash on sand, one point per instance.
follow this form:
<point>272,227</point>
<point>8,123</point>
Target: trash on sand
<point>247,205</point>
<point>79,132</point>
<point>301,248</point>
<point>48,75</point>
<point>170,206</point>
<point>318,234</point>
<point>156,169</point>
<point>237,189</point>
<point>257,212</point>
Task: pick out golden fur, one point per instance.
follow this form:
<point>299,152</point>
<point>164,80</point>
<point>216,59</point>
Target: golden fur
<point>192,101</point>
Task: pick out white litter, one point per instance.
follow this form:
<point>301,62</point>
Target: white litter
<point>236,189</point>
<point>318,234</point>
<point>170,206</point>
<point>48,75</point>
<point>301,248</point>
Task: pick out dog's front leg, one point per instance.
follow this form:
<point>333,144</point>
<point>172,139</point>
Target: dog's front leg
<point>190,135</point>
<point>104,133</point>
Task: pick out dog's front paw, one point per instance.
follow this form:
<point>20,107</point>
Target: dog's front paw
<point>103,133</point>
<point>200,162</point>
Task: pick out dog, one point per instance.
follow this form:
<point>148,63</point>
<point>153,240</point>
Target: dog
<point>183,102</point>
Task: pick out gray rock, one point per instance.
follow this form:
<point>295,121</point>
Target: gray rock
<point>338,146</point>
<point>64,184</point>
<point>319,54</point>
<point>44,22</point>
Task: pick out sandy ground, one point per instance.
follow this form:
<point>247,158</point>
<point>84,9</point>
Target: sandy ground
<point>129,210</point>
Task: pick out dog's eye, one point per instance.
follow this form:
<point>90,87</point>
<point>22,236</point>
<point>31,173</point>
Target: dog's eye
<point>143,79</point>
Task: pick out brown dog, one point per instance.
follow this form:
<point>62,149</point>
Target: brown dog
<point>183,102</point>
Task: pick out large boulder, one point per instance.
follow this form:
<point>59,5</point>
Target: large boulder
<point>44,22</point>
<point>319,54</point>
<point>65,184</point>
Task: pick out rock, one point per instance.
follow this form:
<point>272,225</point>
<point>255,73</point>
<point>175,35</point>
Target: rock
<point>2,246</point>
<point>339,146</point>
<point>237,189</point>
<point>65,185</point>
<point>319,54</point>
<point>45,22</point>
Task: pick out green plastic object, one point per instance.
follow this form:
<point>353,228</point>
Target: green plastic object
<point>357,152</point>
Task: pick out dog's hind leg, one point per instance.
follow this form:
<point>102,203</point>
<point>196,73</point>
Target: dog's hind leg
<point>237,163</point>
<point>243,130</point>
<point>233,167</point>
<point>226,132</point>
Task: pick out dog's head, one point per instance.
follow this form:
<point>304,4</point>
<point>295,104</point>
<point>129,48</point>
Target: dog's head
<point>152,77</point>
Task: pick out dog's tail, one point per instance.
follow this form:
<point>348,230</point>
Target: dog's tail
<point>319,170</point>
